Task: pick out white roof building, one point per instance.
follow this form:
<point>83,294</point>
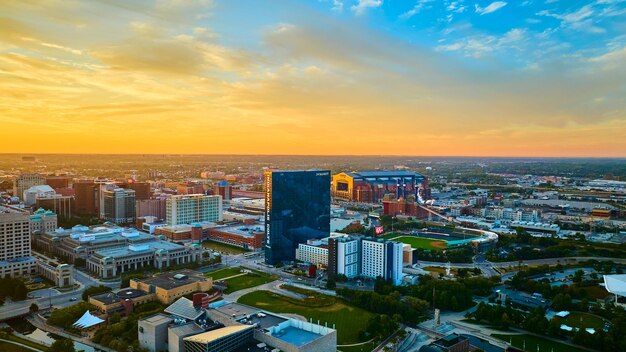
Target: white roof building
<point>615,284</point>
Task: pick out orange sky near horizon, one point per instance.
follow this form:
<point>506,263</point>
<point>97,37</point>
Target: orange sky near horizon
<point>158,79</point>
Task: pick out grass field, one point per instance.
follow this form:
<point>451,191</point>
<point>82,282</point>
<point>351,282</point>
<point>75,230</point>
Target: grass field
<point>348,320</point>
<point>223,247</point>
<point>17,339</point>
<point>588,320</point>
<point>9,347</point>
<point>420,242</point>
<point>222,273</point>
<point>533,341</point>
<point>249,280</point>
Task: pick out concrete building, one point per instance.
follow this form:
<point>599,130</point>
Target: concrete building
<point>380,258</point>
<point>58,181</point>
<point>151,207</point>
<point>224,327</point>
<point>26,181</point>
<point>121,301</point>
<point>142,189</point>
<point>110,250</point>
<point>223,188</point>
<point>42,221</point>
<point>225,339</point>
<point>153,332</point>
<point>40,191</point>
<point>187,209</point>
<point>15,250</point>
<point>170,286</point>
<point>118,205</point>
<point>344,254</point>
<point>189,187</point>
<point>313,252</point>
<point>450,343</point>
<point>60,205</point>
<point>85,197</point>
<point>248,237</point>
<point>371,186</point>
<point>108,263</point>
<point>274,330</point>
<point>61,274</point>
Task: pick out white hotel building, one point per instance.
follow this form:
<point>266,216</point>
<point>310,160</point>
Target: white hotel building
<point>355,256</point>
<point>382,258</point>
<point>192,208</point>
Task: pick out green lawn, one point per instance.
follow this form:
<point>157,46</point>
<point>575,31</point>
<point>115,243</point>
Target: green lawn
<point>223,247</point>
<point>246,281</point>
<point>222,273</point>
<point>421,242</point>
<point>588,320</point>
<point>532,342</point>
<point>17,339</point>
<point>9,347</point>
<point>348,320</point>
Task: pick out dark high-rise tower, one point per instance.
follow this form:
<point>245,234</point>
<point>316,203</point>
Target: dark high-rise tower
<point>297,208</point>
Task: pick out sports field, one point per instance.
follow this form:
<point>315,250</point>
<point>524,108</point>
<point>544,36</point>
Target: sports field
<point>582,320</point>
<point>419,242</point>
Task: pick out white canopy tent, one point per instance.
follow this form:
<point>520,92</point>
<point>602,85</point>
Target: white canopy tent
<point>87,321</point>
<point>615,284</point>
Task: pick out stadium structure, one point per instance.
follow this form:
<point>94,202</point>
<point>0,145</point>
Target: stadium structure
<point>372,186</point>
<point>456,237</point>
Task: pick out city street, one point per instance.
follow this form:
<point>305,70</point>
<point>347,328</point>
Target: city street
<point>54,298</point>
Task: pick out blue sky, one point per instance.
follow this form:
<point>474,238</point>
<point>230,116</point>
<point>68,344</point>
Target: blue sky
<point>519,33</point>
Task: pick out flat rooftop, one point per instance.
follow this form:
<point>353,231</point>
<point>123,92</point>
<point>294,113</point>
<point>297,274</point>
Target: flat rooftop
<point>186,330</point>
<point>144,247</point>
<point>113,297</point>
<point>295,336</point>
<point>241,230</point>
<point>264,320</point>
<point>236,310</point>
<point>12,210</point>
<point>158,319</point>
<point>172,279</point>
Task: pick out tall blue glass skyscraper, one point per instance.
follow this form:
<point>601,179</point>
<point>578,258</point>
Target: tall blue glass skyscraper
<point>297,209</point>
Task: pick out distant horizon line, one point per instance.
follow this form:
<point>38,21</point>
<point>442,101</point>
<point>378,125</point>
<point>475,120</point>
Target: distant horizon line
<point>325,155</point>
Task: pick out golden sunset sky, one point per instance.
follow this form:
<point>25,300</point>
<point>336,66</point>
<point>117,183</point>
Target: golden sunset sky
<point>366,77</point>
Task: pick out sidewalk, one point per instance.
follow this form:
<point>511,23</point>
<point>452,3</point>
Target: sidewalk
<point>40,323</point>
<point>21,345</point>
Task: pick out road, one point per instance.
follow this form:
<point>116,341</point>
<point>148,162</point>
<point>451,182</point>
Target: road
<point>488,267</point>
<point>55,298</point>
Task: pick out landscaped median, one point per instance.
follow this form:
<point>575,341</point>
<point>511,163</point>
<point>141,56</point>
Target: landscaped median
<point>240,278</point>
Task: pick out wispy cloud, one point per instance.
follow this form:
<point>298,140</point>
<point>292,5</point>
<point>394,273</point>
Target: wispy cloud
<point>337,5</point>
<point>579,20</point>
<point>419,6</point>
<point>478,46</point>
<point>363,5</point>
<point>493,7</point>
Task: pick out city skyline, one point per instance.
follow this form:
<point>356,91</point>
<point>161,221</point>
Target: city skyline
<point>436,78</point>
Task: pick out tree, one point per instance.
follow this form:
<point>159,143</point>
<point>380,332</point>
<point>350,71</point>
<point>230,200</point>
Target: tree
<point>331,284</point>
<point>20,291</point>
<point>93,290</point>
<point>115,318</point>
<point>34,308</point>
<point>578,276</point>
<point>62,345</point>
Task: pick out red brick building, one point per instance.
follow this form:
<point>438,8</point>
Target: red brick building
<point>85,197</point>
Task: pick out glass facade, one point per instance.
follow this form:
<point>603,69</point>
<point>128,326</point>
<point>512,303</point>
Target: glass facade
<point>297,209</point>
